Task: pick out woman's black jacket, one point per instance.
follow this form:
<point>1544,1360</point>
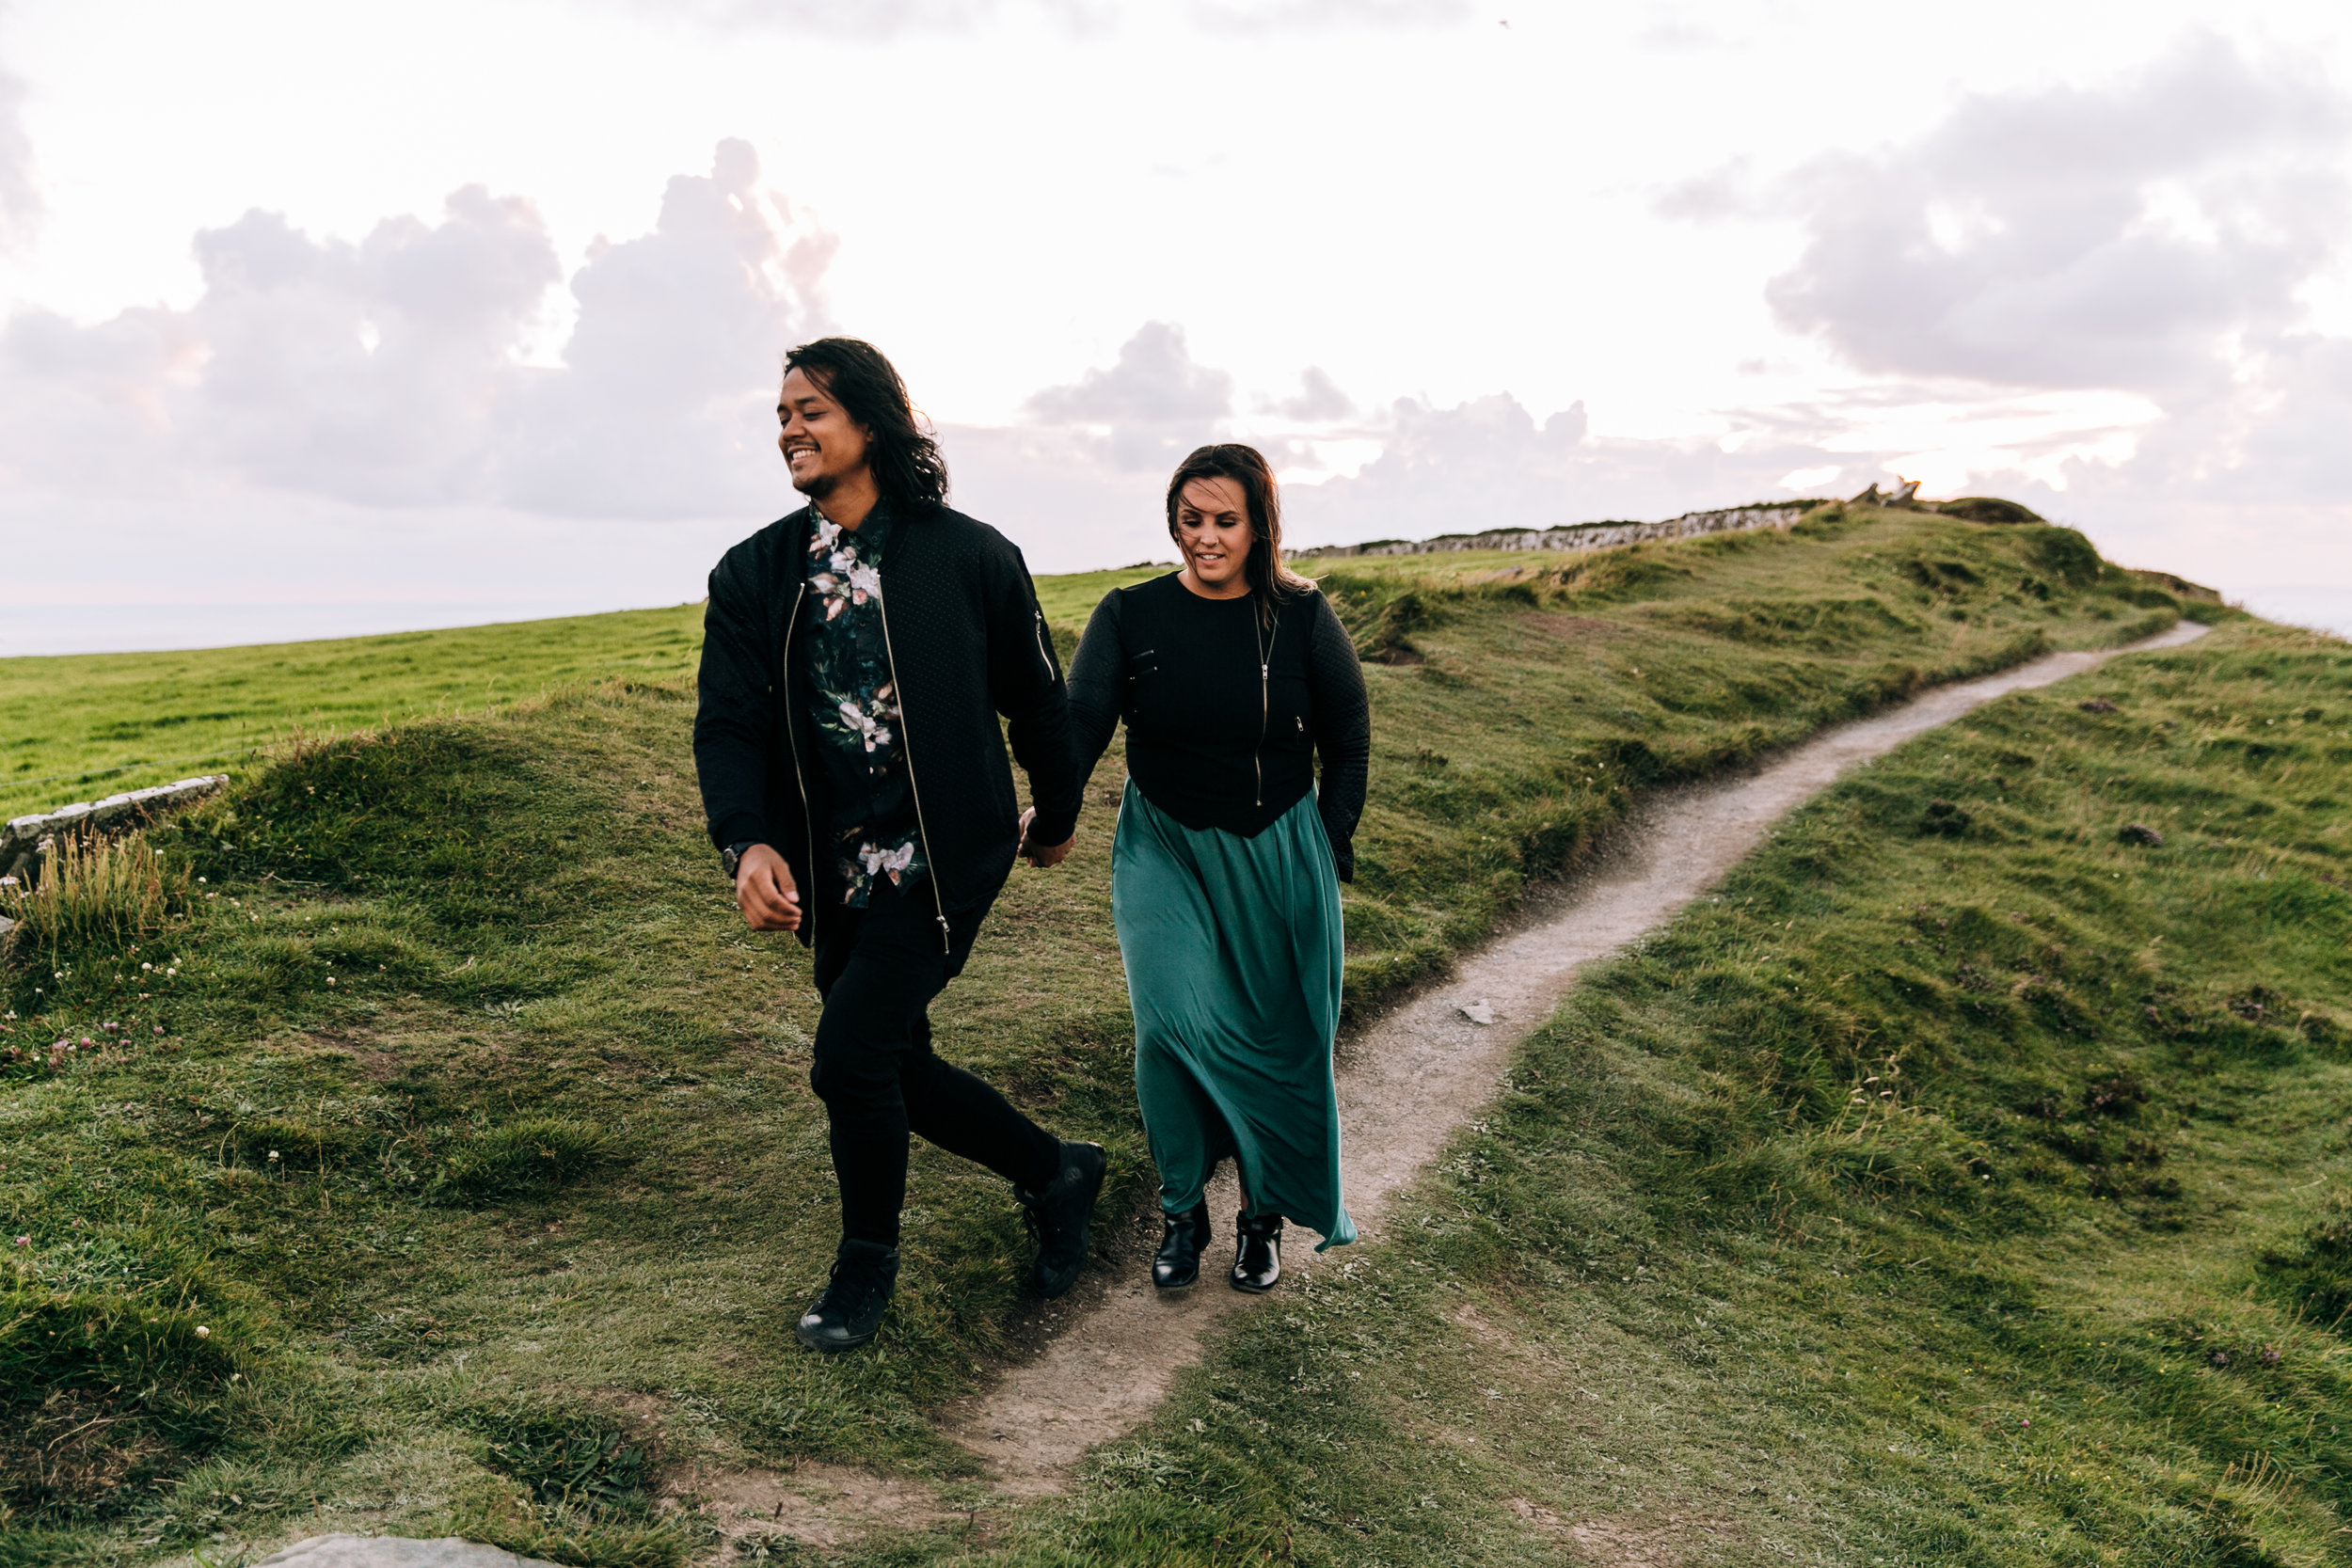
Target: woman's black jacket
<point>1227,715</point>
<point>967,642</point>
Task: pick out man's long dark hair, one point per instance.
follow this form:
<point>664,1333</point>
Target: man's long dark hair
<point>908,469</point>
<point>1246,467</point>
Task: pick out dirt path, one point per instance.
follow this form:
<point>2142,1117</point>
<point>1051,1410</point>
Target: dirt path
<point>1408,1080</point>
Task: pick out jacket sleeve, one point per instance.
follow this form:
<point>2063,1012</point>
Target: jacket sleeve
<point>1335,685</point>
<point>1097,682</point>
<point>735,716</point>
<point>1025,683</point>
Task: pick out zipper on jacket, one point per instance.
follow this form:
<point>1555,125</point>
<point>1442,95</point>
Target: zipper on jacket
<point>1265,661</point>
<point>939,908</point>
<point>808,820</point>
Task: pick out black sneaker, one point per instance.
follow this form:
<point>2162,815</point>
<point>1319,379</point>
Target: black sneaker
<point>850,1310</point>
<point>1179,1262</point>
<point>1257,1257</point>
<point>1060,1215</point>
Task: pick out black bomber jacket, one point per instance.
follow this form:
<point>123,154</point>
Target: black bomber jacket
<point>966,643</point>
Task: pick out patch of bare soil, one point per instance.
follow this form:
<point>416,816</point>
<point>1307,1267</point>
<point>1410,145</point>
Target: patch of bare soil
<point>1618,1543</point>
<point>821,1505</point>
<point>1410,1078</point>
<point>361,1047</point>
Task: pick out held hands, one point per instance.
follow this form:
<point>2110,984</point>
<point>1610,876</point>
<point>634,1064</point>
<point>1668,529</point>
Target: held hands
<point>764,890</point>
<point>1042,855</point>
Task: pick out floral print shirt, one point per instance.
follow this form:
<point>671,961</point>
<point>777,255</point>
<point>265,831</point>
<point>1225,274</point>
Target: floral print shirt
<point>871,828</point>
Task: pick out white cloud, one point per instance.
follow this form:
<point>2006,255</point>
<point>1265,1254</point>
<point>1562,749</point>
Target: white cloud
<point>891,19</point>
<point>1319,399</point>
<point>1487,463</point>
<point>663,406</point>
<point>2126,236</point>
<point>20,198</point>
<point>389,372</point>
<point>1151,407</point>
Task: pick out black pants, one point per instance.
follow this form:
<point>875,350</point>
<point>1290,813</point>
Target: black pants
<point>878,969</point>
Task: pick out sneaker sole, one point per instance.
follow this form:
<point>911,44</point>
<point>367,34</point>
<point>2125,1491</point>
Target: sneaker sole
<point>834,1347</point>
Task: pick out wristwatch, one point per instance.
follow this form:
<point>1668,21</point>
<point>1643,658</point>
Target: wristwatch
<point>731,857</point>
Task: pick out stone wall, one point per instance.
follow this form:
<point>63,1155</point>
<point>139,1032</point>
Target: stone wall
<point>1580,536</point>
<point>26,841</point>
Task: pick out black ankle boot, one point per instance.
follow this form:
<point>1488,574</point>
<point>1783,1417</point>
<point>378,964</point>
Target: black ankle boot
<point>1258,1256</point>
<point>850,1311</point>
<point>1059,1216</point>
<point>1179,1262</point>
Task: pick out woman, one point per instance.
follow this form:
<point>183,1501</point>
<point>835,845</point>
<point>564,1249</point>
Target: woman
<point>1233,675</point>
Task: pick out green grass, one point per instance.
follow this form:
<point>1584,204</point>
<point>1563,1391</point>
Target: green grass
<point>1928,1197</point>
<point>544,1157</point>
<point>85,725</point>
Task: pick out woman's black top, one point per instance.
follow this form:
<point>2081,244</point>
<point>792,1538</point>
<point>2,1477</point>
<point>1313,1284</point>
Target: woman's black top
<point>1218,736</point>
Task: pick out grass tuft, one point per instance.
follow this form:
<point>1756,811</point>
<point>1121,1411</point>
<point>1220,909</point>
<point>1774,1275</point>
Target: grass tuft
<point>520,1159</point>
<point>94,892</point>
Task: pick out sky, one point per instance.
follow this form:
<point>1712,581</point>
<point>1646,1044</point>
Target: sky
<point>326,320</point>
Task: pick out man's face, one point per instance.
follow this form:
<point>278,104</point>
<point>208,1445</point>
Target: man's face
<point>822,444</point>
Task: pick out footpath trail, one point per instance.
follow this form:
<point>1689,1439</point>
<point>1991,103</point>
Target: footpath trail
<point>1410,1078</point>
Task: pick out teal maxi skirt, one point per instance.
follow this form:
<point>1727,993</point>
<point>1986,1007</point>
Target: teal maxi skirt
<point>1233,948</point>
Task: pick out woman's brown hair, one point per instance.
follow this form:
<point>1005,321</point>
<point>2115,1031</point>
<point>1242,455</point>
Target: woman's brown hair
<point>1246,467</point>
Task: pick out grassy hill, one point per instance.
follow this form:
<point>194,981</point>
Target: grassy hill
<point>459,1113</point>
<point>81,725</point>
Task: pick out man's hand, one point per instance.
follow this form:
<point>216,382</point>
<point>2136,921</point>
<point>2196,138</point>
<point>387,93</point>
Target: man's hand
<point>1042,855</point>
<point>764,890</point>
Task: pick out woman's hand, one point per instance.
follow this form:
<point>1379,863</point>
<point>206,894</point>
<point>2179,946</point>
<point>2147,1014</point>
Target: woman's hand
<point>765,893</point>
<point>1043,856</point>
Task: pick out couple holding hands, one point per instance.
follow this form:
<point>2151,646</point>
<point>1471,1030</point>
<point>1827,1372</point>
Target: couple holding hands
<point>856,658</point>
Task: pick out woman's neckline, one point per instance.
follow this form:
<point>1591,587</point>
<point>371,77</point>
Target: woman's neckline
<point>1192,593</point>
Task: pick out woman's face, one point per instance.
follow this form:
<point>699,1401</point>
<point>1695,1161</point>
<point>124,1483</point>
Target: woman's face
<point>1213,530</point>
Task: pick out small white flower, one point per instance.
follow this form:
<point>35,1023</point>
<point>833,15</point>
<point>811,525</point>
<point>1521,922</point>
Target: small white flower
<point>273,1156</point>
<point>203,1333</point>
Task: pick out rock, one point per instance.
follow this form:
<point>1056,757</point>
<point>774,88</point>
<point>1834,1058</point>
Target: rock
<point>2139,833</point>
<point>1478,1011</point>
<point>1577,536</point>
<point>395,1551</point>
<point>2097,705</point>
<point>134,804</point>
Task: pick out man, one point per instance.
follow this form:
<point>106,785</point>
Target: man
<point>855,657</point>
